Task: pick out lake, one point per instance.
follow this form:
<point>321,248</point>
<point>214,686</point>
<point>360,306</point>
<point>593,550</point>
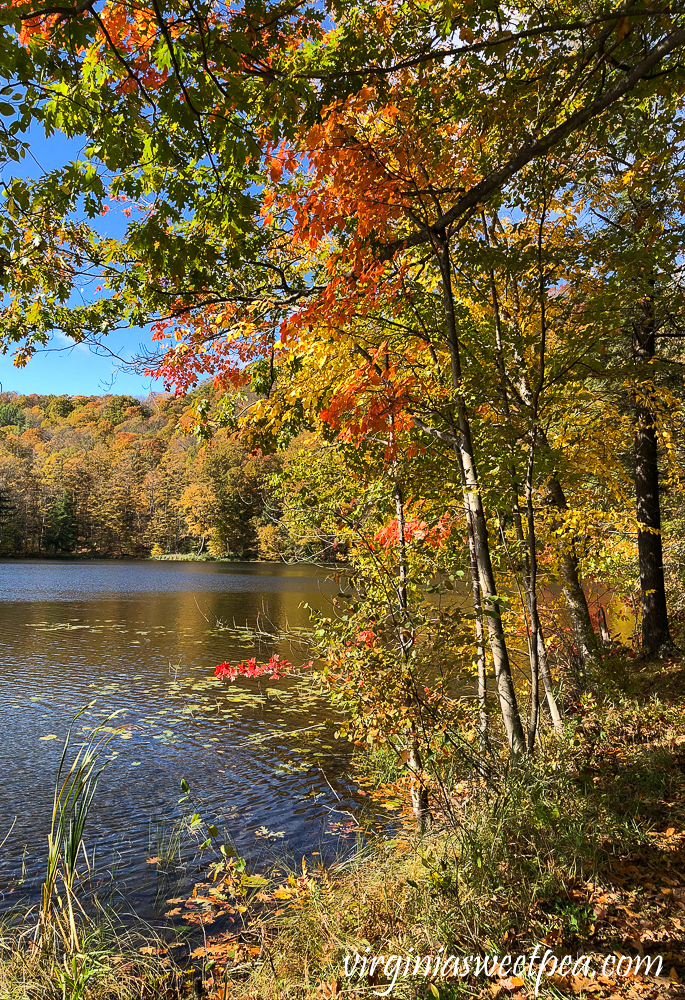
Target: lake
<point>141,638</point>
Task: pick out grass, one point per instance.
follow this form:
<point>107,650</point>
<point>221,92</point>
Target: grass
<point>75,788</point>
<point>110,966</point>
<point>61,952</point>
<point>202,557</point>
<point>188,557</point>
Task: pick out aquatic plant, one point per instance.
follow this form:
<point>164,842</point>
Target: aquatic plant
<point>75,787</point>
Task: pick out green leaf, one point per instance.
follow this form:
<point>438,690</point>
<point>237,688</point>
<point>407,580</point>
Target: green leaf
<point>254,881</point>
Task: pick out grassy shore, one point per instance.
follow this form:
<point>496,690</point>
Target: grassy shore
<point>103,972</point>
<point>581,851</point>
<point>196,557</point>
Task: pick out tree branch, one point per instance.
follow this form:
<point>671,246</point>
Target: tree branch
<point>469,202</point>
<point>451,439</point>
<point>65,13</point>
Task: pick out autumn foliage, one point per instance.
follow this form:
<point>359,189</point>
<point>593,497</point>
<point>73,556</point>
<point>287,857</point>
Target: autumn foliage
<point>429,257</point>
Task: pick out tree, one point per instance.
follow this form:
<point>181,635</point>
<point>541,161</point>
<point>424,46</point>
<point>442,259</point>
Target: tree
<point>62,533</point>
<point>11,415</point>
<point>303,198</point>
<point>190,114</point>
<point>638,240</point>
<point>115,488</point>
<point>8,531</point>
<point>60,406</point>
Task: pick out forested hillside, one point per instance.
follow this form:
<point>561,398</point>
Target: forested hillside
<point>117,476</point>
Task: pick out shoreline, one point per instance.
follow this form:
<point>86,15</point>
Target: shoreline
<point>103,557</point>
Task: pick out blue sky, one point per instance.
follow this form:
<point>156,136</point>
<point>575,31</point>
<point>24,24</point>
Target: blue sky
<point>66,368</point>
<point>77,370</point>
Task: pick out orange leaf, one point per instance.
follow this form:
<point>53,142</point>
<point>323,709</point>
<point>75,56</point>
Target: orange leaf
<point>511,984</point>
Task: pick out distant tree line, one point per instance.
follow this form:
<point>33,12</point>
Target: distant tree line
<point>116,476</point>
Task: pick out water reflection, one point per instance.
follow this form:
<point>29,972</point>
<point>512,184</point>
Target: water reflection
<point>141,638</point>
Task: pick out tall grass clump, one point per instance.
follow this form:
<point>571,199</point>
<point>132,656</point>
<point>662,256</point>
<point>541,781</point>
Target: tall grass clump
<point>68,954</point>
<point>75,787</point>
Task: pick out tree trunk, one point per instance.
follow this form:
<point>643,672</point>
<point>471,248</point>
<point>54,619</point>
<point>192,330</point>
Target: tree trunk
<point>656,636</point>
<point>546,675</point>
<point>419,791</point>
<point>574,595</point>
<point>536,639</point>
<point>604,633</point>
<point>476,517</point>
<point>542,664</point>
<point>483,720</point>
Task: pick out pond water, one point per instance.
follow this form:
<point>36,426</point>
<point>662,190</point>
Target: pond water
<point>141,638</point>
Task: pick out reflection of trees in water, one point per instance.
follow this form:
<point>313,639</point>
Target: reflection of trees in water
<point>254,762</point>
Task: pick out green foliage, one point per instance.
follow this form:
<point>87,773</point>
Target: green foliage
<point>117,408</point>
<point>559,854</point>
<point>59,407</point>
<point>11,415</point>
<point>395,659</point>
<point>8,528</point>
<point>62,535</point>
